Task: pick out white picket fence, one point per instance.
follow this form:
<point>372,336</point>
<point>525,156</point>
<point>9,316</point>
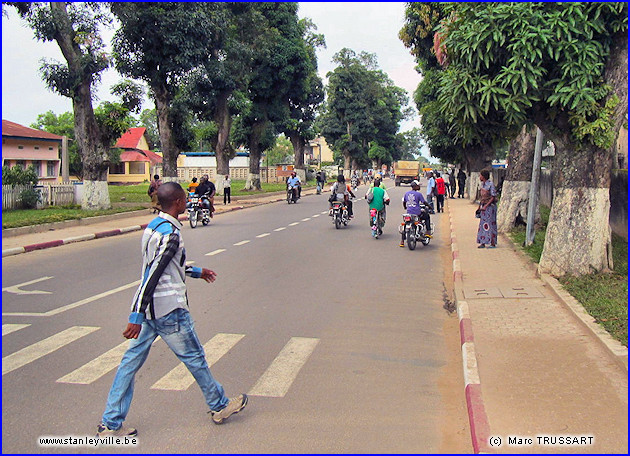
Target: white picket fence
<point>51,195</point>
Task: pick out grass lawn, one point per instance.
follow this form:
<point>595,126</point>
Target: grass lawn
<point>124,198</point>
<point>603,295</point>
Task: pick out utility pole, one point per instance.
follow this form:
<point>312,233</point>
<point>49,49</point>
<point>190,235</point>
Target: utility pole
<point>534,189</point>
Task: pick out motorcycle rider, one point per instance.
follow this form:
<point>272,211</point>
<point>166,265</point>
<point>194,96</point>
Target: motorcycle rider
<point>295,182</point>
<point>206,190</point>
<point>412,202</point>
<point>377,198</point>
<point>342,192</point>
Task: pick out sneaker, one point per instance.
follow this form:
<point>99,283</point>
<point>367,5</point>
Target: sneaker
<point>430,236</point>
<point>235,405</point>
<point>402,244</point>
<point>123,431</point>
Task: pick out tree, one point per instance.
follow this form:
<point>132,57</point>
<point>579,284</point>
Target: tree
<point>74,27</point>
<point>281,152</point>
<point>160,43</point>
<point>276,69</point>
<point>148,120</point>
<point>363,107</point>
<point>563,67</point>
<point>410,145</point>
<point>306,95</point>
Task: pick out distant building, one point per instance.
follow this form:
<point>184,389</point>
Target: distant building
<point>317,151</point>
<point>25,146</point>
<point>137,163</point>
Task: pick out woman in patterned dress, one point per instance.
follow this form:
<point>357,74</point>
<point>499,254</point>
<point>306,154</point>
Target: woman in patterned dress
<point>487,233</point>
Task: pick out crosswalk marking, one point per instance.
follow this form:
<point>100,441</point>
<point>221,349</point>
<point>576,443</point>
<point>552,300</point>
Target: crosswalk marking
<point>9,328</point>
<point>73,305</point>
<point>277,379</point>
<point>96,368</point>
<point>180,379</point>
<point>44,347</point>
<point>263,235</point>
<point>215,252</point>
<point>242,243</point>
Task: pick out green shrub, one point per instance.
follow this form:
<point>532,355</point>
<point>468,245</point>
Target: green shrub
<point>29,198</point>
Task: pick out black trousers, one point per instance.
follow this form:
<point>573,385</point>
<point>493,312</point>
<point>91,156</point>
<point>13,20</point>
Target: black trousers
<point>227,193</point>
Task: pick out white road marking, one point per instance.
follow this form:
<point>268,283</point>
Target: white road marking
<point>15,289</point>
<point>263,235</point>
<point>324,213</point>
<point>215,252</point>
<point>12,327</point>
<point>96,368</point>
<point>44,347</point>
<point>281,229</point>
<point>294,223</point>
<point>180,379</point>
<point>316,215</point>
<point>73,305</point>
<point>242,243</point>
<point>306,219</point>
<point>277,379</point>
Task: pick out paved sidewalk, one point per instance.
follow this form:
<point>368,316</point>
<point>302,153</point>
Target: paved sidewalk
<point>532,367</point>
<point>17,241</point>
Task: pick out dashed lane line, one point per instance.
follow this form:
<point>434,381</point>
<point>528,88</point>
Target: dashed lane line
<point>294,223</point>
<point>215,252</point>
<point>263,235</point>
<point>281,229</point>
<point>242,243</point>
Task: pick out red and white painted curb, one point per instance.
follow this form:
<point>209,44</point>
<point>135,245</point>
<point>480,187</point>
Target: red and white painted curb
<point>479,424</point>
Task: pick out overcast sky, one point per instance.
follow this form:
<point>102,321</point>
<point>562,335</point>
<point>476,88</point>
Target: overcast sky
<point>360,26</point>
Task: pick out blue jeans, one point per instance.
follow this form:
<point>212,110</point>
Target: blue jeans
<point>177,330</point>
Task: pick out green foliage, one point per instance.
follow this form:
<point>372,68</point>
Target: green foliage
<point>281,152</point>
<point>19,176</point>
<point>62,125</point>
<point>510,61</point>
<point>29,198</point>
<point>148,119</point>
<point>363,107</point>
<point>113,120</point>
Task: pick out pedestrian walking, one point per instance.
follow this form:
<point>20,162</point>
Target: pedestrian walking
<point>451,182</point>
<point>160,308</point>
<point>431,192</point>
<point>487,232</point>
<point>440,189</point>
<point>227,190</point>
<point>461,183</point>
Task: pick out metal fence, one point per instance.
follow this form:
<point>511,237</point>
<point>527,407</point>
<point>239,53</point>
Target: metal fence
<point>57,194</point>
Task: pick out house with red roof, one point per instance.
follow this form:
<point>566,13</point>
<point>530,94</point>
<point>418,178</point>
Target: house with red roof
<point>137,163</point>
<point>25,146</point>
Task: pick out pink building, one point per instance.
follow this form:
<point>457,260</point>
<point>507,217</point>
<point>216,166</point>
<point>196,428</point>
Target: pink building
<point>26,146</point>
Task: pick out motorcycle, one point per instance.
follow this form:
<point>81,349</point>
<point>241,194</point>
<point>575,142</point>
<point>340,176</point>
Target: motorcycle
<point>292,193</point>
<point>339,213</point>
<point>197,212</point>
<point>415,230</point>
<point>377,222</point>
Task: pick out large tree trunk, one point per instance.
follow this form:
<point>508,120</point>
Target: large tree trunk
<point>477,158</point>
<point>298,143</point>
<point>223,151</point>
<point>253,178</point>
<point>515,193</point>
<point>94,153</point>
<point>578,239</point>
<point>165,127</point>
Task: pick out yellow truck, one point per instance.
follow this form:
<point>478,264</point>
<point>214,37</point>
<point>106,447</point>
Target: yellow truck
<point>406,171</point>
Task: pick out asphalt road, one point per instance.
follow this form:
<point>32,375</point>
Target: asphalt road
<point>341,340</point>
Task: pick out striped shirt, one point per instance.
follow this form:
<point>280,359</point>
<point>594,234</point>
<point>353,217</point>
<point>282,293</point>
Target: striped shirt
<point>162,288</point>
